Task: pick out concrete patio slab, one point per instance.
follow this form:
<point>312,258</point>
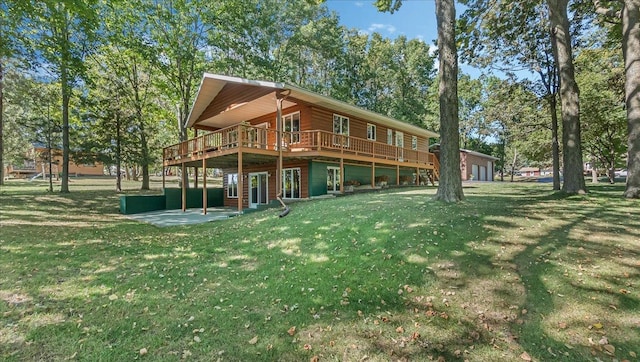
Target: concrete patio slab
<point>164,218</point>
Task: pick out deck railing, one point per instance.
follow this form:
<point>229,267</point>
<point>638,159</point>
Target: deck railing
<point>252,137</point>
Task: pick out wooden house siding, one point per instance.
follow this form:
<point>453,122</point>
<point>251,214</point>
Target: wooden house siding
<point>271,170</point>
<point>322,119</point>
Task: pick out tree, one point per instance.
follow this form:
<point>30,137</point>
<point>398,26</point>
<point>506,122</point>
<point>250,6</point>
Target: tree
<point>569,97</point>
<point>470,97</point>
<point>12,46</point>
<point>450,185</point>
<point>628,13</point>
<point>601,79</point>
<point>64,32</point>
<point>508,36</point>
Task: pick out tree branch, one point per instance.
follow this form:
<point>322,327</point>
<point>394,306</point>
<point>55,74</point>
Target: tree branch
<point>605,11</point>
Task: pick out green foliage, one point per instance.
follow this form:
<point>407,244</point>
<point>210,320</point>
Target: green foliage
<point>600,75</point>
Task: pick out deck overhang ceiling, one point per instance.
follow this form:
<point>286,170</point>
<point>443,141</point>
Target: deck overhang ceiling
<point>258,98</point>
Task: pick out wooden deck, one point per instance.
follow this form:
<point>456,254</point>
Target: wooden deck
<point>259,145</point>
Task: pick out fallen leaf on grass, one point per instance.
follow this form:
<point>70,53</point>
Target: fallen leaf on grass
<point>292,331</point>
<point>113,297</point>
<point>562,325</point>
<point>632,354</point>
<point>307,347</point>
<point>143,351</point>
<point>314,359</point>
<point>253,340</point>
<point>596,326</point>
<point>400,330</point>
<point>610,349</point>
<point>525,356</point>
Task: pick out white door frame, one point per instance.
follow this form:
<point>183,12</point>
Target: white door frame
<point>254,203</point>
<point>336,171</point>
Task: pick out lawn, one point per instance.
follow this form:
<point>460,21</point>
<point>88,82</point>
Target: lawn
<point>515,272</point>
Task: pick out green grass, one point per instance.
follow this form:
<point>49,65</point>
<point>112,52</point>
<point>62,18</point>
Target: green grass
<point>383,276</point>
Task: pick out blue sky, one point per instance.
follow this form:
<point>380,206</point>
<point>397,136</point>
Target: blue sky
<point>415,19</point>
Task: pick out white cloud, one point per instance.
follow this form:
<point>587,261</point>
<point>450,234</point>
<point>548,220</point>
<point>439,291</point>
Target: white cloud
<point>359,4</point>
<point>379,27</point>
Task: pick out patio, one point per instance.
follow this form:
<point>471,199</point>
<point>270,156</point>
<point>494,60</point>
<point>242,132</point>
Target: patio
<point>164,218</point>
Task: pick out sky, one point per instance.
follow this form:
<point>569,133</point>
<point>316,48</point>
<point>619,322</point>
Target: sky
<point>415,19</point>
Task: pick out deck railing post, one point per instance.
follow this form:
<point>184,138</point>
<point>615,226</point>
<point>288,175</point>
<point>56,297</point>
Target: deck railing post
<point>204,186</point>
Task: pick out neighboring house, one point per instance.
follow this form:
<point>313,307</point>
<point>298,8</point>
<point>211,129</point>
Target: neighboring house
<point>474,165</point>
<point>326,144</point>
<point>36,163</point>
<point>529,171</point>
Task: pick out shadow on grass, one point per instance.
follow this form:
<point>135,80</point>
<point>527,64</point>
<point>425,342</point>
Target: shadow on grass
<point>389,275</point>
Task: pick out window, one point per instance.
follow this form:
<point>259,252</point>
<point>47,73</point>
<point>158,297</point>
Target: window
<point>340,127</point>
<point>389,136</point>
<point>232,185</point>
<point>291,183</point>
<point>414,142</point>
<point>292,124</point>
<point>371,132</point>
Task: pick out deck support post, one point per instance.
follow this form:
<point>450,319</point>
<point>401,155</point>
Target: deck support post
<point>417,176</point>
<point>240,180</point>
<point>341,175</point>
<point>184,188</point>
<point>163,176</point>
<point>373,174</point>
<point>397,175</point>
<point>204,186</point>
<point>195,178</point>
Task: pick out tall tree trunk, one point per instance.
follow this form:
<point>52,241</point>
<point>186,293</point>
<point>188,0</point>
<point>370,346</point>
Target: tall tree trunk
<point>145,158</point>
<point>118,154</point>
<point>50,156</point>
<point>631,52</point>
<point>555,148</point>
<point>594,170</point>
<point>513,164</point>
<point>569,98</point>
<point>450,187</point>
<point>1,123</point>
<point>64,80</point>
<point>65,130</point>
<point>49,147</point>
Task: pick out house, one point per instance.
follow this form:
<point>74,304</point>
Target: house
<point>36,163</point>
<point>529,171</point>
<point>274,138</point>
<point>474,166</point>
